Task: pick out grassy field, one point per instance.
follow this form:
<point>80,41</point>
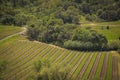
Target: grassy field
<point>8,30</point>
<point>21,54</point>
<point>113,33</point>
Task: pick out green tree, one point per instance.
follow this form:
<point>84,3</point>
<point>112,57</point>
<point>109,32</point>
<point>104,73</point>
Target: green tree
<point>46,71</point>
<point>81,34</point>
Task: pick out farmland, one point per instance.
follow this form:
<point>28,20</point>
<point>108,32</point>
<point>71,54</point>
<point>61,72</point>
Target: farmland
<point>8,30</point>
<point>22,54</point>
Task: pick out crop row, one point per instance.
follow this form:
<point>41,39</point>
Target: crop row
<point>84,65</point>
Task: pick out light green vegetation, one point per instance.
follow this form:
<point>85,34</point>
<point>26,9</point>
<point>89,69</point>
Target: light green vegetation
<point>113,33</point>
<point>109,69</point>
<point>97,75</point>
<point>94,24</point>
<point>8,30</point>
<point>80,66</point>
<point>110,23</point>
<point>90,66</point>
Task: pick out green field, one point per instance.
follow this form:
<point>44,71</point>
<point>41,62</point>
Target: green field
<point>8,30</point>
<point>21,53</point>
<point>113,33</point>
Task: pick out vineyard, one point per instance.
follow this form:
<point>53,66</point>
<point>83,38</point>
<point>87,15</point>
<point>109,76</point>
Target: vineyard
<point>8,30</point>
<point>21,54</point>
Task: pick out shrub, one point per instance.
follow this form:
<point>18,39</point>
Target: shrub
<point>118,50</point>
<point>8,19</point>
<point>114,45</point>
<point>45,71</point>
<point>20,19</point>
<point>77,45</point>
<point>72,44</point>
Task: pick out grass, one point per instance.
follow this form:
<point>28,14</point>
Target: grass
<point>8,30</point>
<point>110,23</point>
<point>111,34</point>
<point>109,69</point>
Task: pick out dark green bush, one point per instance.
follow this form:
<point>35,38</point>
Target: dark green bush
<point>8,19</point>
<point>114,45</point>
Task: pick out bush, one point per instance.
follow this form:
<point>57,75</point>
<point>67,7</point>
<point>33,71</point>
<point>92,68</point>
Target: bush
<point>20,19</point>
<point>114,45</point>
<point>109,15</point>
<point>77,45</point>
<point>46,71</point>
<point>118,50</point>
<point>81,34</point>
<point>33,32</point>
<point>72,44</point>
<point>8,19</point>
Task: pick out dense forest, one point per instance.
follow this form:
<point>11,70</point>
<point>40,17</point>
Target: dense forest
<point>57,21</point>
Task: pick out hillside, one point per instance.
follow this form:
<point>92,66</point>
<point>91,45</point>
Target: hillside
<point>22,54</point>
<point>59,39</point>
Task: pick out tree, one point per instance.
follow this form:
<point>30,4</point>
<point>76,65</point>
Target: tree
<point>109,15</point>
<point>69,16</point>
<point>85,8</point>
<point>33,32</point>
<point>81,35</point>
<point>46,71</point>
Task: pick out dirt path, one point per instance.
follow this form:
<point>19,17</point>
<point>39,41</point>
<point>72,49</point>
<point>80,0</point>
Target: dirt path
<point>22,33</point>
<point>94,67</point>
<point>115,75</point>
<point>104,67</point>
<point>99,24</point>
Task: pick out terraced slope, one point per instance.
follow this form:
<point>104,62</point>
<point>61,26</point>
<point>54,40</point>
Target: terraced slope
<point>20,55</point>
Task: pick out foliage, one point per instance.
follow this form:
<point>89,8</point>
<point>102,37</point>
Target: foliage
<point>67,10</point>
<point>68,36</point>
<point>2,65</point>
<point>56,21</point>
<point>114,45</point>
<point>8,19</point>
<point>45,71</point>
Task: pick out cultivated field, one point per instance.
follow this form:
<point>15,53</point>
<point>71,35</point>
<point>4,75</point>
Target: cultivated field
<point>21,54</point>
<point>8,30</point>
